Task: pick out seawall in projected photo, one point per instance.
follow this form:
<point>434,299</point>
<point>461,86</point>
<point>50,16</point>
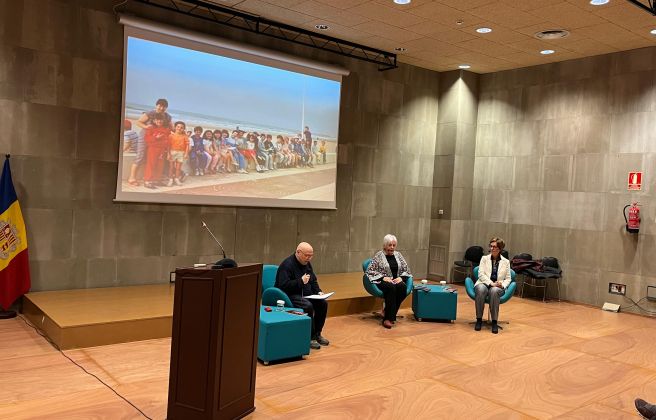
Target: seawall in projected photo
<point>207,129</point>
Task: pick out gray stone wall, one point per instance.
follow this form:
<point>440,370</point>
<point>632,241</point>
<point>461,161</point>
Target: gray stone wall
<point>453,171</point>
<point>60,93</point>
<point>554,146</point>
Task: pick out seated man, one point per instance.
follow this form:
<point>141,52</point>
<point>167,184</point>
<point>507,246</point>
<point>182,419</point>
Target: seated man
<point>296,278</point>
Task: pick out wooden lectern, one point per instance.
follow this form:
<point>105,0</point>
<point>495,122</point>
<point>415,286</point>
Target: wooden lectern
<point>216,314</point>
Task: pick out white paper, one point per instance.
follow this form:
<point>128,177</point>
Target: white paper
<point>324,296</point>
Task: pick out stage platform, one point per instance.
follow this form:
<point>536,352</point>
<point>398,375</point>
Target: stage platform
<point>95,317</point>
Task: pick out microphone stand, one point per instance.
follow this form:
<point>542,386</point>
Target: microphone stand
<point>225,262</point>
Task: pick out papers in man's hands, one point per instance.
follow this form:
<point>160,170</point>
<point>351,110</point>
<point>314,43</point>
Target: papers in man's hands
<point>324,296</point>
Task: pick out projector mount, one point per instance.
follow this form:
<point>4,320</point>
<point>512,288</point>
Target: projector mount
<point>226,16</point>
<point>647,5</point>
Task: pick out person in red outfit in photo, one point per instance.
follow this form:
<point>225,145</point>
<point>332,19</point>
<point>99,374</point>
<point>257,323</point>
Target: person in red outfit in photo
<point>157,147</point>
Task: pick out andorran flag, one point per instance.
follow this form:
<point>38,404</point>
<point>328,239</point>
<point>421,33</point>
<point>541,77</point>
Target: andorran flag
<point>14,265</point>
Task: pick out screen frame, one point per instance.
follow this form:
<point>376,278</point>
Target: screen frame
<point>169,35</point>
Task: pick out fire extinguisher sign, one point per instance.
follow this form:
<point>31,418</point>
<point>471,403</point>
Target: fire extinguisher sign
<point>635,181</point>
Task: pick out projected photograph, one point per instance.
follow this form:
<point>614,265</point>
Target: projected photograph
<point>207,129</point>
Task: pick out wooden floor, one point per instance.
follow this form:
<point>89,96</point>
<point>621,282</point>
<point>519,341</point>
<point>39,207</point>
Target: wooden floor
<point>554,360</point>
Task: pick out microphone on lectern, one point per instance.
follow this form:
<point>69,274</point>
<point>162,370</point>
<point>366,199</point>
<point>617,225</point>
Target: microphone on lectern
<point>225,262</point>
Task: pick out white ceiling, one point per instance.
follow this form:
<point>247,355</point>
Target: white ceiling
<point>433,38</point>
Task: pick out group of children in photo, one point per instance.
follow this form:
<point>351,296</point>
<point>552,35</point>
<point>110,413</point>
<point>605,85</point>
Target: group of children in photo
<point>163,147</point>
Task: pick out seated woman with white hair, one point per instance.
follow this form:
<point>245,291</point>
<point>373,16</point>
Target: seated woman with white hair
<point>388,270</point>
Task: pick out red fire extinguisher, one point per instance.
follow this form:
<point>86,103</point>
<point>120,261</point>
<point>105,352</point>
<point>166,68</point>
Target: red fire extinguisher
<point>633,221</point>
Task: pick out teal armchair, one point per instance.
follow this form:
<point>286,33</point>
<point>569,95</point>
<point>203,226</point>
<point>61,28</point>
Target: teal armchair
<point>270,293</point>
<point>510,290</point>
<point>372,289</point>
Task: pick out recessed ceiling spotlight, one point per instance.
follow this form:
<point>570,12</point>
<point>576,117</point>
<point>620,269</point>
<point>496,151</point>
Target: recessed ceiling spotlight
<point>402,1</point>
<point>484,30</point>
<point>400,49</point>
<point>547,52</point>
<point>322,26</point>
<point>598,2</point>
<point>464,66</point>
<point>653,32</point>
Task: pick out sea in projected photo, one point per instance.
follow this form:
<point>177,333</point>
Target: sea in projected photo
<point>280,124</point>
<point>191,120</point>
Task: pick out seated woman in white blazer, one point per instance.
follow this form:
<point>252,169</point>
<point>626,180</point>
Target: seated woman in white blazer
<point>493,278</point>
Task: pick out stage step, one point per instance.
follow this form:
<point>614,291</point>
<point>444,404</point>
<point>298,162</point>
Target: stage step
<point>95,317</point>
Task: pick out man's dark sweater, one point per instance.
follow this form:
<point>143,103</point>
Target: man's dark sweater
<point>289,278</point>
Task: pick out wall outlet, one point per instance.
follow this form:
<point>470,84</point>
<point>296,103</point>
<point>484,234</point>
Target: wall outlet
<point>617,289</point>
<point>651,292</point>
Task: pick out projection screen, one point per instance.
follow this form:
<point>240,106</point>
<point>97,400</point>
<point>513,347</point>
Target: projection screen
<point>214,122</point>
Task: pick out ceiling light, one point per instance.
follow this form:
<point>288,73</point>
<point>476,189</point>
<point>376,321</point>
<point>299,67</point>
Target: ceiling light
<point>464,66</point>
<point>322,26</point>
<point>547,52</point>
<point>402,1</point>
<point>598,2</point>
<point>653,32</point>
<point>484,30</point>
<point>400,49</point>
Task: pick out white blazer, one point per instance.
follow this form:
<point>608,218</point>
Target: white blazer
<point>485,271</point>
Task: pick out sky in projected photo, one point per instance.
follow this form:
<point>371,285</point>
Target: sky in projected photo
<point>229,90</point>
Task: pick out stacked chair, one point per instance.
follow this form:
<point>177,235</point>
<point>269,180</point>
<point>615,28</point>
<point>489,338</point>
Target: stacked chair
<point>520,263</point>
<point>541,278</point>
<point>472,258</point>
